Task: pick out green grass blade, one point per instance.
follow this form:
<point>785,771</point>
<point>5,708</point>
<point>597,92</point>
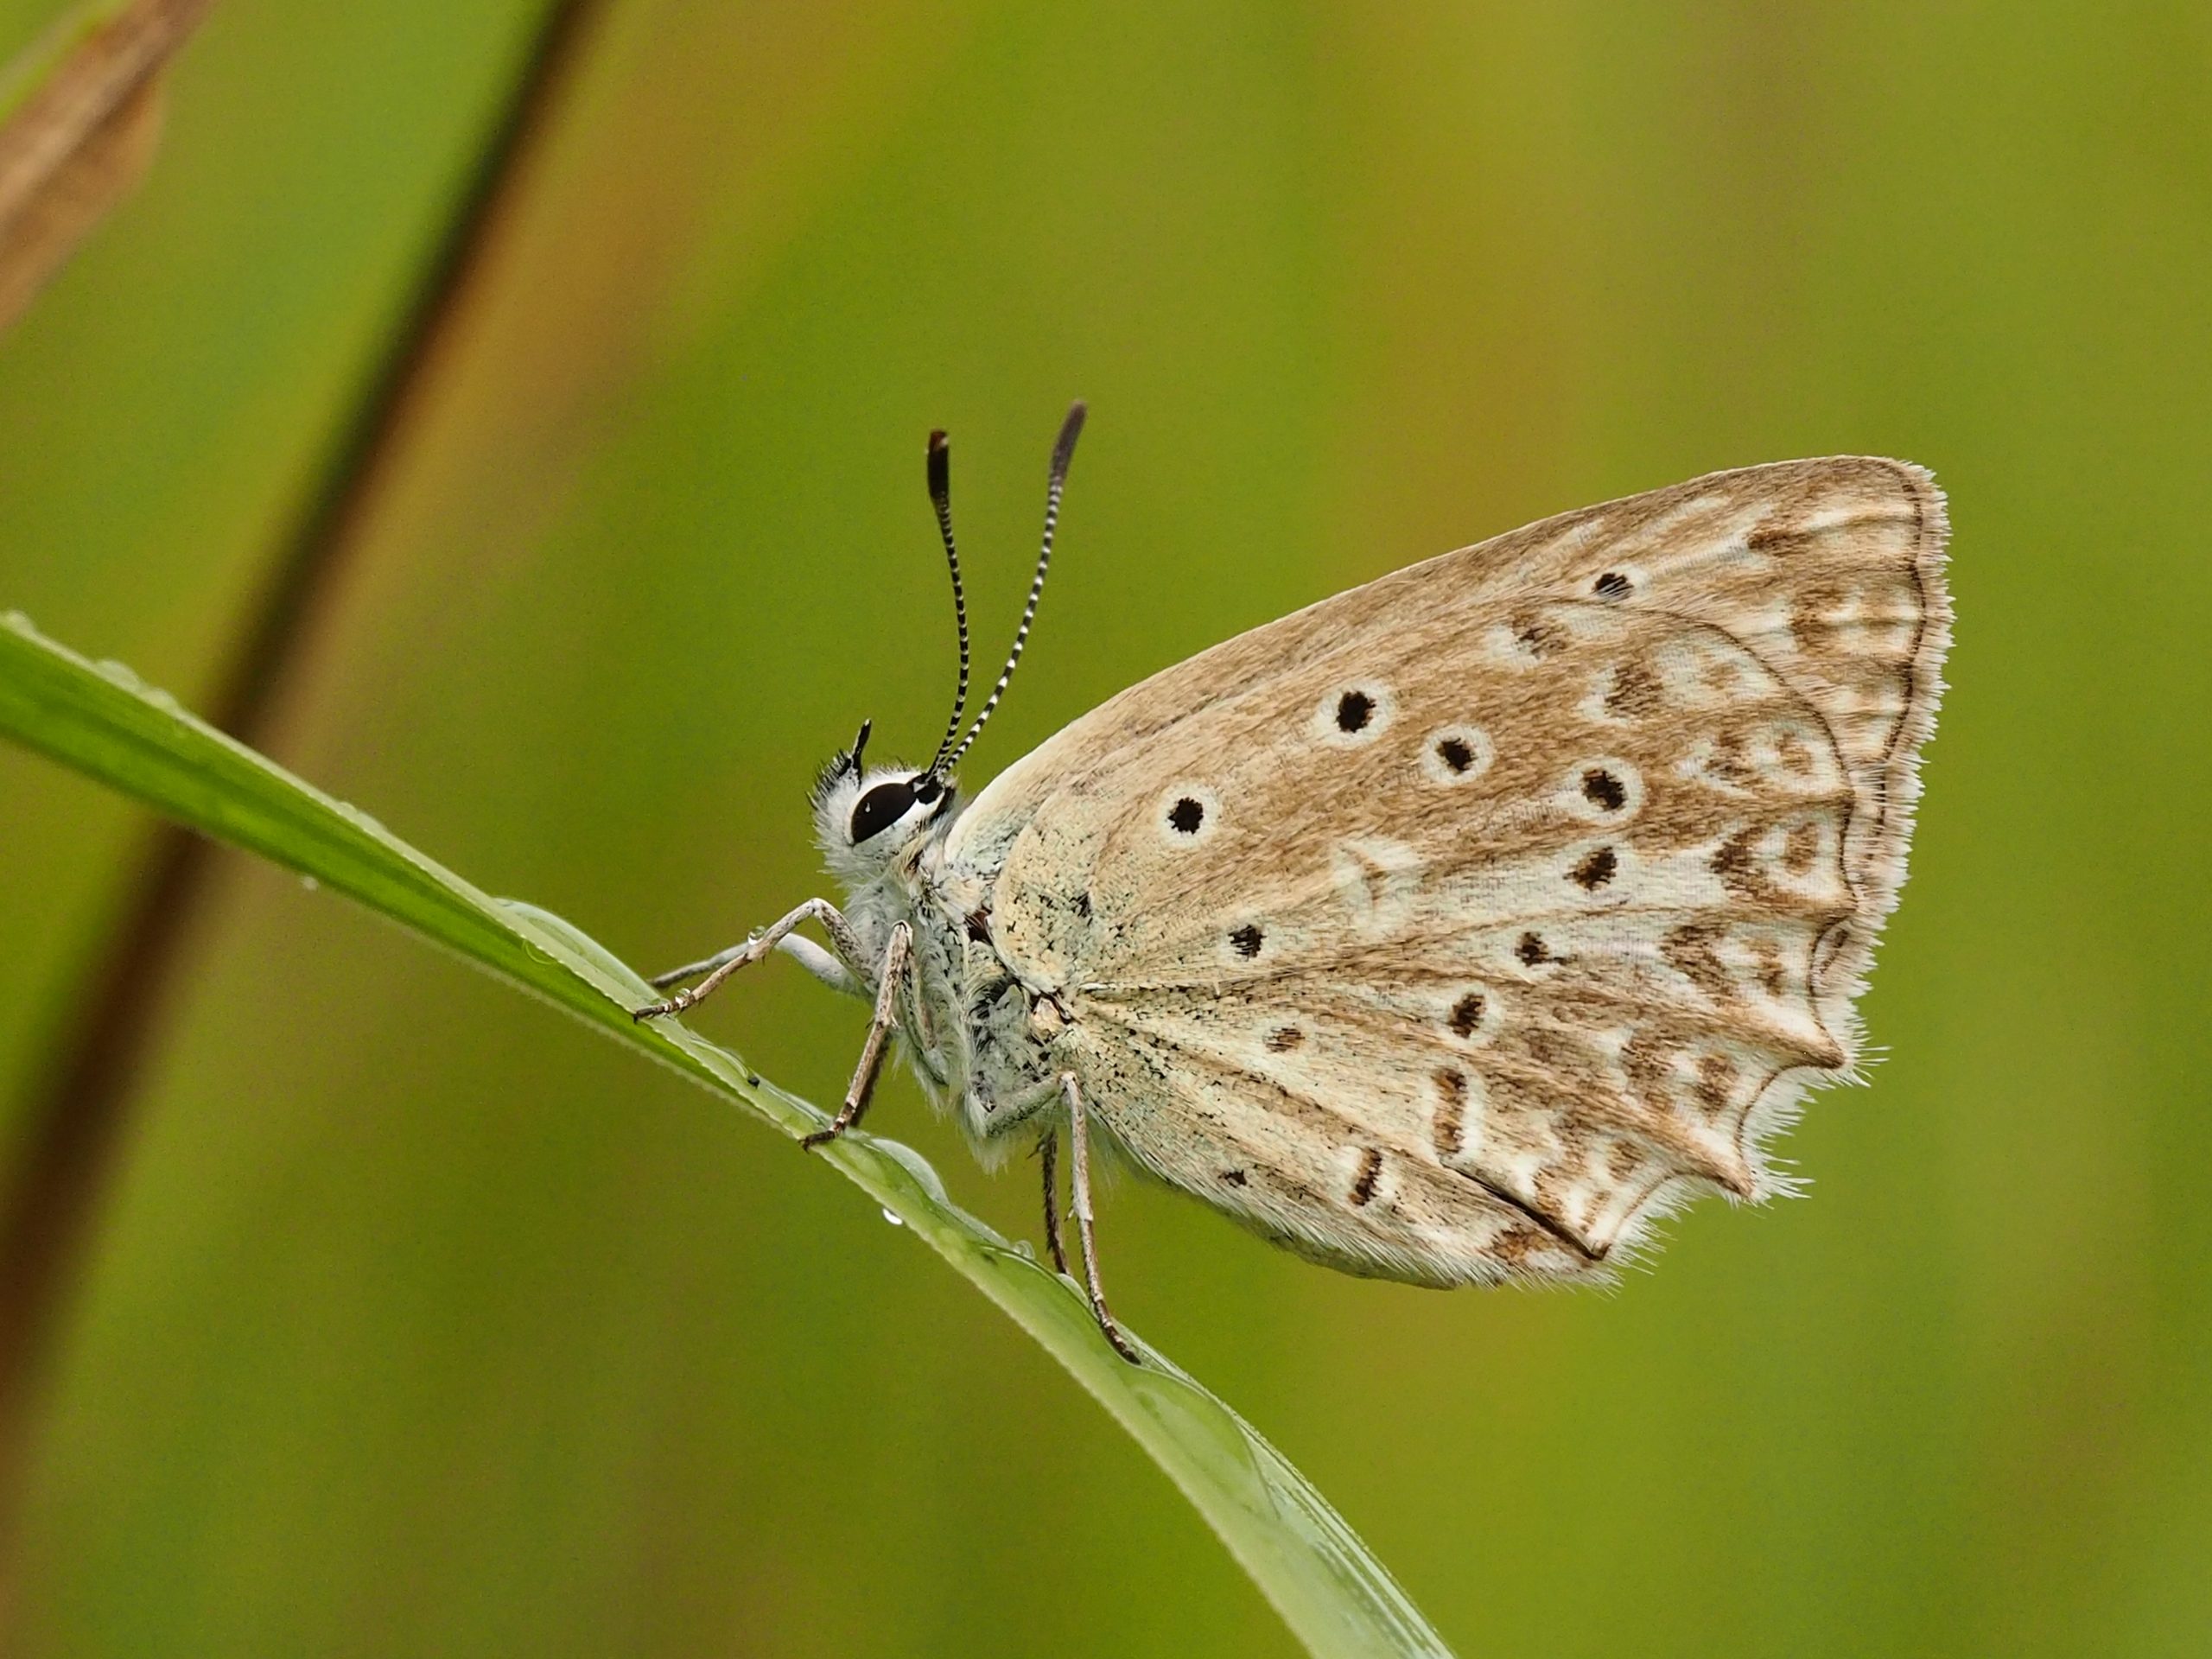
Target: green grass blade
<point>101,720</point>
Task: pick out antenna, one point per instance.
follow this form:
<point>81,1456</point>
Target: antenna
<point>1062,453</point>
<point>940,481</point>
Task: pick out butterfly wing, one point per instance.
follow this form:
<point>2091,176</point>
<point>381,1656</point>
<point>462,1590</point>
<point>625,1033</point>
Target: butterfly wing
<point>1445,928</point>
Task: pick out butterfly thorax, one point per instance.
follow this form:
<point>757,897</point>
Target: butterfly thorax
<point>980,1039</point>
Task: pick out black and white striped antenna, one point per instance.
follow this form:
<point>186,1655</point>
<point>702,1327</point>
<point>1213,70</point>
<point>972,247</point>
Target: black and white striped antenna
<point>1062,454</point>
<point>940,482</point>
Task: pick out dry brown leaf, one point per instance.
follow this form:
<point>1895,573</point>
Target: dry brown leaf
<point>83,128</point>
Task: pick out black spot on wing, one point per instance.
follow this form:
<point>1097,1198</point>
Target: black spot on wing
<point>1595,869</point>
<point>1603,791</point>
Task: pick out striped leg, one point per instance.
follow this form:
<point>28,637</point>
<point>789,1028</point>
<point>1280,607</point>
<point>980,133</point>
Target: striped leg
<point>1079,1141</point>
<point>1048,1154</point>
<point>719,967</point>
<point>889,983</point>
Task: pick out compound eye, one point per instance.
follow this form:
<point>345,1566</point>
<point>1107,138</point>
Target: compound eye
<point>880,808</point>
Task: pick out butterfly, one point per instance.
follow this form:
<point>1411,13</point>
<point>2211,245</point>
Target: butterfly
<point>1451,929</point>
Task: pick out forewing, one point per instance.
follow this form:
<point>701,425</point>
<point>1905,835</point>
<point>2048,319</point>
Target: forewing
<point>1442,927</point>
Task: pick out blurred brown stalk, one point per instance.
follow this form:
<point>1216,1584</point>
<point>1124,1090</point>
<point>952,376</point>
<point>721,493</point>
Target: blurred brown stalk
<point>78,1107</point>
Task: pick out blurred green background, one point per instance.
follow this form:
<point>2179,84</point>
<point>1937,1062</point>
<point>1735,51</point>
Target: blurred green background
<point>418,1321</point>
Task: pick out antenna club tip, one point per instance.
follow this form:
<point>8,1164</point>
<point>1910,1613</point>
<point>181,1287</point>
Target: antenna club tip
<point>1070,429</point>
<point>938,440</point>
<point>940,467</point>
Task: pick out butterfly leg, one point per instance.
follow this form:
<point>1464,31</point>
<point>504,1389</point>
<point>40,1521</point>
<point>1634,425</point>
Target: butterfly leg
<point>889,984</point>
<point>1079,1144</point>
<point>1048,1154</point>
<point>719,967</point>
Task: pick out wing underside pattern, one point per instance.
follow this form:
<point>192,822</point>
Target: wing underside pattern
<point>1450,928</point>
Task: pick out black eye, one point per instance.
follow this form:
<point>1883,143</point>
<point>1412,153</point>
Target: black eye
<point>882,807</point>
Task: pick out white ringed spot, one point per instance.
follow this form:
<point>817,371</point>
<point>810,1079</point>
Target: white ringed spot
<point>1457,754</point>
<point>1353,714</point>
<point>1187,815</point>
<point>1604,789</point>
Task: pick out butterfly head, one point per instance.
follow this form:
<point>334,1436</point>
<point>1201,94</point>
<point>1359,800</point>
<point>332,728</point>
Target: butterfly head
<point>865,818</point>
